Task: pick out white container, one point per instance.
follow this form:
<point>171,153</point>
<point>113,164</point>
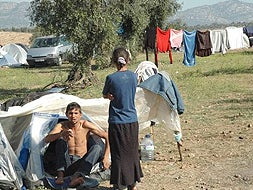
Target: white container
<point>147,148</point>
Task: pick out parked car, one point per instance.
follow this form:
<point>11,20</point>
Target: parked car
<point>48,50</point>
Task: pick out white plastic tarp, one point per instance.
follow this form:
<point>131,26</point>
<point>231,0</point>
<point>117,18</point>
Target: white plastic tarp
<point>10,168</point>
<point>97,109</point>
<point>17,52</point>
<point>7,60</point>
<point>41,124</point>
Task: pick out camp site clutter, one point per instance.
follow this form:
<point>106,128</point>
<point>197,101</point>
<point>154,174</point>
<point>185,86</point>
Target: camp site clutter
<point>196,43</point>
<point>23,128</point>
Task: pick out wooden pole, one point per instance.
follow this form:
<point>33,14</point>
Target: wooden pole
<point>179,150</point>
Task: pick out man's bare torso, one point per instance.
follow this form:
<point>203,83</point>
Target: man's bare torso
<point>77,144</point>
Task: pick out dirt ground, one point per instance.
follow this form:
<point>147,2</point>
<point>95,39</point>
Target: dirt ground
<point>218,156</point>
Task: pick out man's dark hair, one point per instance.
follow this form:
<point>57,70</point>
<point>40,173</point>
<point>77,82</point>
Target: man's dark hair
<point>73,105</point>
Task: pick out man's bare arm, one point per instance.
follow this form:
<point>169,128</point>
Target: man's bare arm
<point>103,134</point>
<point>55,134</point>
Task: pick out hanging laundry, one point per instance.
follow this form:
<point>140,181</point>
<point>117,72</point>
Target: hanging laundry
<point>248,30</point>
<point>203,43</point>
<point>189,41</point>
<point>163,43</point>
<point>176,38</point>
<point>219,41</point>
<point>149,40</point>
<point>235,37</point>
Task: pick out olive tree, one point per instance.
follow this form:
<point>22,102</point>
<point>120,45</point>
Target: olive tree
<point>88,24</point>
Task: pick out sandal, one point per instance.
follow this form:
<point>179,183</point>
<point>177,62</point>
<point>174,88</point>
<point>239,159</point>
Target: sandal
<point>59,180</point>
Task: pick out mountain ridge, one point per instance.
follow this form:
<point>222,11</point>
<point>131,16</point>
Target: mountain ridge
<point>227,12</point>
<point>14,14</point>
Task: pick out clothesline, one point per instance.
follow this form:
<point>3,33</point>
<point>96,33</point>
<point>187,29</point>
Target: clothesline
<point>196,42</point>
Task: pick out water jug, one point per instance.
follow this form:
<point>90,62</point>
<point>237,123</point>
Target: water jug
<point>147,148</point>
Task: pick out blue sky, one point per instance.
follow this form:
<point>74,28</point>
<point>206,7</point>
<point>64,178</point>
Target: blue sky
<point>187,4</point>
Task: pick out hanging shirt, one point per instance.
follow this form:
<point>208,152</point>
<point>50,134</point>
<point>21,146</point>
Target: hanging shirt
<point>189,40</point>
<point>163,43</point>
<point>176,38</point>
<point>235,37</point>
<point>150,40</point>
<point>219,41</point>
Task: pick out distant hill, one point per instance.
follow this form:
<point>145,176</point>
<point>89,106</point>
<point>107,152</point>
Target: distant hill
<point>14,14</point>
<point>221,13</point>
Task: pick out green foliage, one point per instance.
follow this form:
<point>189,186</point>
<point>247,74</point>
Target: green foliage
<point>160,10</point>
<point>86,23</point>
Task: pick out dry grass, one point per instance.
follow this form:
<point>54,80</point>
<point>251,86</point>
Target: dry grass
<point>14,37</point>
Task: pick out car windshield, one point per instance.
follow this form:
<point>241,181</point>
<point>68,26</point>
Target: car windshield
<point>45,42</point>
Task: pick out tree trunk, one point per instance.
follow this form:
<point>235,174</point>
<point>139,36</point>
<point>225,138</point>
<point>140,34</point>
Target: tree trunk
<point>81,77</point>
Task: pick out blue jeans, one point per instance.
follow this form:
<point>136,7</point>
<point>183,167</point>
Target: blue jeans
<point>71,164</point>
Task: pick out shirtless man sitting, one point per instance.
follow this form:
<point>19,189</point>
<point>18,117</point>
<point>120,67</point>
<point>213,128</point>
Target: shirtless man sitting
<point>71,138</point>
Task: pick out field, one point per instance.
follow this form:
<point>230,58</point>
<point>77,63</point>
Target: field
<point>217,124</point>
<point>14,37</point>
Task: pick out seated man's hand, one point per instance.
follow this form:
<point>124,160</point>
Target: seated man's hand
<point>67,134</point>
<point>106,163</point>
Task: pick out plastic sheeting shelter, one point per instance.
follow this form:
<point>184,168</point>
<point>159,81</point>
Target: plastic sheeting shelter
<point>13,55</point>
<point>7,60</point>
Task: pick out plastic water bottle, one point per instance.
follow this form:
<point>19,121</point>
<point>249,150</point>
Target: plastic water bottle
<point>147,148</point>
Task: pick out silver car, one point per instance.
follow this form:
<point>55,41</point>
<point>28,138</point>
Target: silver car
<point>48,50</point>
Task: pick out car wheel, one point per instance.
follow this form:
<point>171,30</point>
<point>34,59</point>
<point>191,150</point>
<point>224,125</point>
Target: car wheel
<point>31,64</point>
<point>59,62</point>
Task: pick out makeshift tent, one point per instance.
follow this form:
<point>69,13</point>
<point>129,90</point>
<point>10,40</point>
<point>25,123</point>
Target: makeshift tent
<point>11,171</point>
<point>7,60</point>
<point>13,52</point>
<point>27,134</point>
<point>25,47</point>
